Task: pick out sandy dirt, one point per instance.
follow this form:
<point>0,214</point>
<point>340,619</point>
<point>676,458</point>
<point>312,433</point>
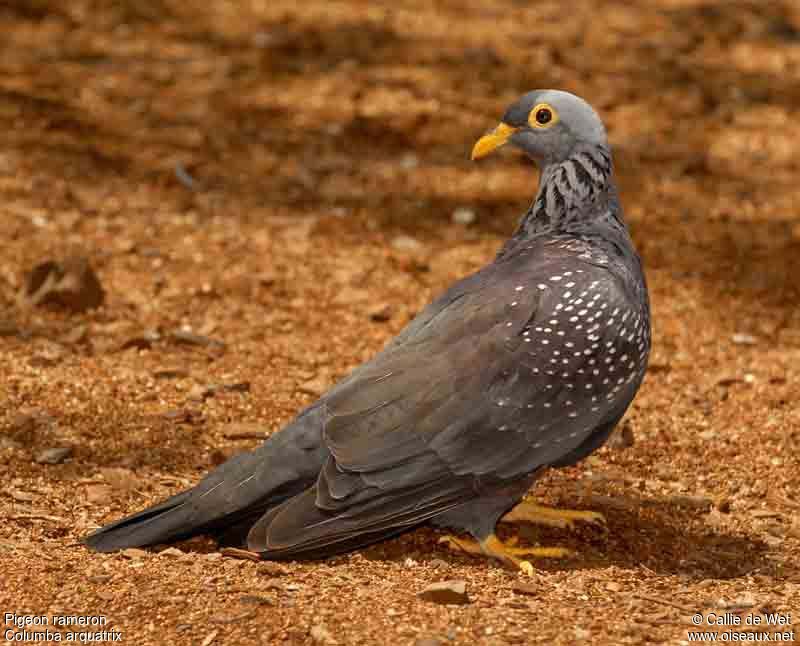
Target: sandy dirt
<point>279,179</point>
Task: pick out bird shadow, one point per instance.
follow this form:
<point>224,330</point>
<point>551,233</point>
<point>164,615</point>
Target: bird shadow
<point>669,540</point>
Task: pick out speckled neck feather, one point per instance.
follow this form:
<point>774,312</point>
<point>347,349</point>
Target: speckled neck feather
<point>572,195</point>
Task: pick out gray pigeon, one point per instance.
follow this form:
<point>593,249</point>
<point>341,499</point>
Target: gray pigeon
<point>526,364</point>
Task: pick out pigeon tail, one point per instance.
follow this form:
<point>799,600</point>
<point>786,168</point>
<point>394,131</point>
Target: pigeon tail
<point>231,498</point>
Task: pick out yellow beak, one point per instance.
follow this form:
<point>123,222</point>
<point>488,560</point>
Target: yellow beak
<point>492,140</point>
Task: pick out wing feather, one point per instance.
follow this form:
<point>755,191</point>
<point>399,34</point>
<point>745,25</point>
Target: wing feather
<point>460,397</point>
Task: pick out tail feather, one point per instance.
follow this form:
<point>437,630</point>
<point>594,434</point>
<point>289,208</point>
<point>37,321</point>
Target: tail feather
<point>164,522</point>
<point>232,497</point>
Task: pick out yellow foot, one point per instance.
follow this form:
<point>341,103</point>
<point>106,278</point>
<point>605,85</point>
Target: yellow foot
<point>560,518</point>
<point>508,555</point>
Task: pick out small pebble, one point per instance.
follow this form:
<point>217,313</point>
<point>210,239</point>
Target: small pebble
<point>621,438</point>
<point>409,161</point>
<point>581,634</point>
<point>314,386</point>
<point>463,216</point>
<point>406,243</point>
<point>171,552</point>
<point>320,634</point>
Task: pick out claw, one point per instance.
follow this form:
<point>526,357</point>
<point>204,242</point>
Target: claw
<point>559,518</point>
<point>507,554</point>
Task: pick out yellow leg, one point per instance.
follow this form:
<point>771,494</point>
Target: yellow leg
<point>560,518</point>
<point>495,548</point>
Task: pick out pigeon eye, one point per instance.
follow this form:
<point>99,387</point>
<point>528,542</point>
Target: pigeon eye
<point>543,116</point>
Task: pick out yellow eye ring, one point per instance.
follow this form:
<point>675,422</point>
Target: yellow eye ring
<point>543,115</point>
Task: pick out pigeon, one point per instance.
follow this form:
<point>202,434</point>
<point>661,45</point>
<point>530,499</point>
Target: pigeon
<point>525,365</point>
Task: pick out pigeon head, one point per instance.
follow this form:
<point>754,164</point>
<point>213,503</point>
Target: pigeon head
<point>546,125</point>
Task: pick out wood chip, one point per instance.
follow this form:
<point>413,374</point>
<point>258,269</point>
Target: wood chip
<point>47,517</point>
<point>380,313</point>
<point>200,393</point>
<point>21,496</point>
<point>662,602</point>
<point>170,373</point>
<point>76,336</point>
<point>23,423</point>
<point>729,380</point>
<point>98,494</point>
<point>71,284</point>
<point>724,505</point>
<point>190,338</point>
<point>99,578</point>
<point>256,600</point>
<point>446,592</point>
<point>740,603</point>
<point>270,568</point>
<point>246,431</point>
<point>8,328</point>
<point>183,416</point>
<point>9,443</point>
<point>527,589</point>
<point>143,341</point>
<point>695,502</point>
<point>55,455</point>
<point>120,478</point>
<point>236,387</point>
<point>428,641</point>
<point>233,618</point>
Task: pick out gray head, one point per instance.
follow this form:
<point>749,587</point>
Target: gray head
<point>546,125</point>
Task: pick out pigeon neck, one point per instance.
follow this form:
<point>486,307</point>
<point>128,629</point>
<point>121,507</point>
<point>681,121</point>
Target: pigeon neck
<point>570,193</point>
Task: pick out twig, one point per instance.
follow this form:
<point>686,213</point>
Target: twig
<point>246,435</point>
<point>235,619</point>
<point>236,553</point>
<point>52,519</point>
<point>661,602</point>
